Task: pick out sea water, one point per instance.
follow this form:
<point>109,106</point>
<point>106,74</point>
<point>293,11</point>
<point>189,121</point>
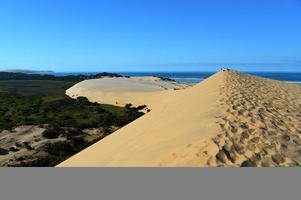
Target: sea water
<point>196,77</point>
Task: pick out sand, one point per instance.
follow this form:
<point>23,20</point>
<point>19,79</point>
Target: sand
<point>26,143</point>
<point>120,91</point>
<point>23,141</point>
<point>262,123</point>
<point>229,120</point>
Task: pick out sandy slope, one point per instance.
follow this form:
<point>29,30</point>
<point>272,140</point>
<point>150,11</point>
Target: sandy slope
<point>230,119</point>
<point>120,91</point>
<point>182,119</point>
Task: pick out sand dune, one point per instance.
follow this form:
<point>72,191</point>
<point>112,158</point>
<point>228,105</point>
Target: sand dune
<point>230,119</point>
<point>120,91</point>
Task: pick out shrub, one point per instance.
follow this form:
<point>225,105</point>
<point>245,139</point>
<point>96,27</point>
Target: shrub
<point>51,133</point>
<point>141,107</point>
<point>128,106</point>
<point>60,148</point>
<point>82,101</point>
<point>42,162</point>
<point>73,132</point>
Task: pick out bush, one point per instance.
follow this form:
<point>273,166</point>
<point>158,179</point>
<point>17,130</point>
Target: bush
<point>78,142</point>
<point>82,101</point>
<point>53,132</point>
<point>45,161</point>
<point>60,148</point>
<point>128,106</point>
<point>73,132</point>
<point>141,107</point>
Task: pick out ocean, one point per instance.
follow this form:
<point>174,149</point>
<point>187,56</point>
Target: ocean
<point>196,77</point>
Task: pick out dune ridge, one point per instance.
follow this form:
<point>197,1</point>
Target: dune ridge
<point>228,120</point>
<point>262,123</point>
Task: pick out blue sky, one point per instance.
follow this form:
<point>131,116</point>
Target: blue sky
<point>150,35</point>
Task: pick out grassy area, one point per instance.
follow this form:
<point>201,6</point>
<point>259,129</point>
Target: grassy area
<point>118,111</point>
<point>35,87</point>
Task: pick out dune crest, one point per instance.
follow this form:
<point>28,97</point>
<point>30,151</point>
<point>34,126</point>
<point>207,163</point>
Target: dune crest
<point>262,123</point>
<point>179,119</point>
<point>230,119</point>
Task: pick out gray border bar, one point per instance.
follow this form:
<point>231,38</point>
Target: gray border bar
<point>149,183</point>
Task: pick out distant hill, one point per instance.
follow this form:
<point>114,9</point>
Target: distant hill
<point>36,76</point>
<point>25,71</point>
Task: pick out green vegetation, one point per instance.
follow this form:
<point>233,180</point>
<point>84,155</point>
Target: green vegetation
<point>62,112</point>
<point>57,153</point>
<point>52,132</point>
<point>106,74</point>
<point>36,84</point>
<point>61,148</point>
<point>35,87</point>
<point>42,161</point>
<point>33,99</point>
<point>41,100</point>
<point>77,78</point>
<point>165,78</point>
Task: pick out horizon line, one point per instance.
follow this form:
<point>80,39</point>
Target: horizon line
<point>155,71</point>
